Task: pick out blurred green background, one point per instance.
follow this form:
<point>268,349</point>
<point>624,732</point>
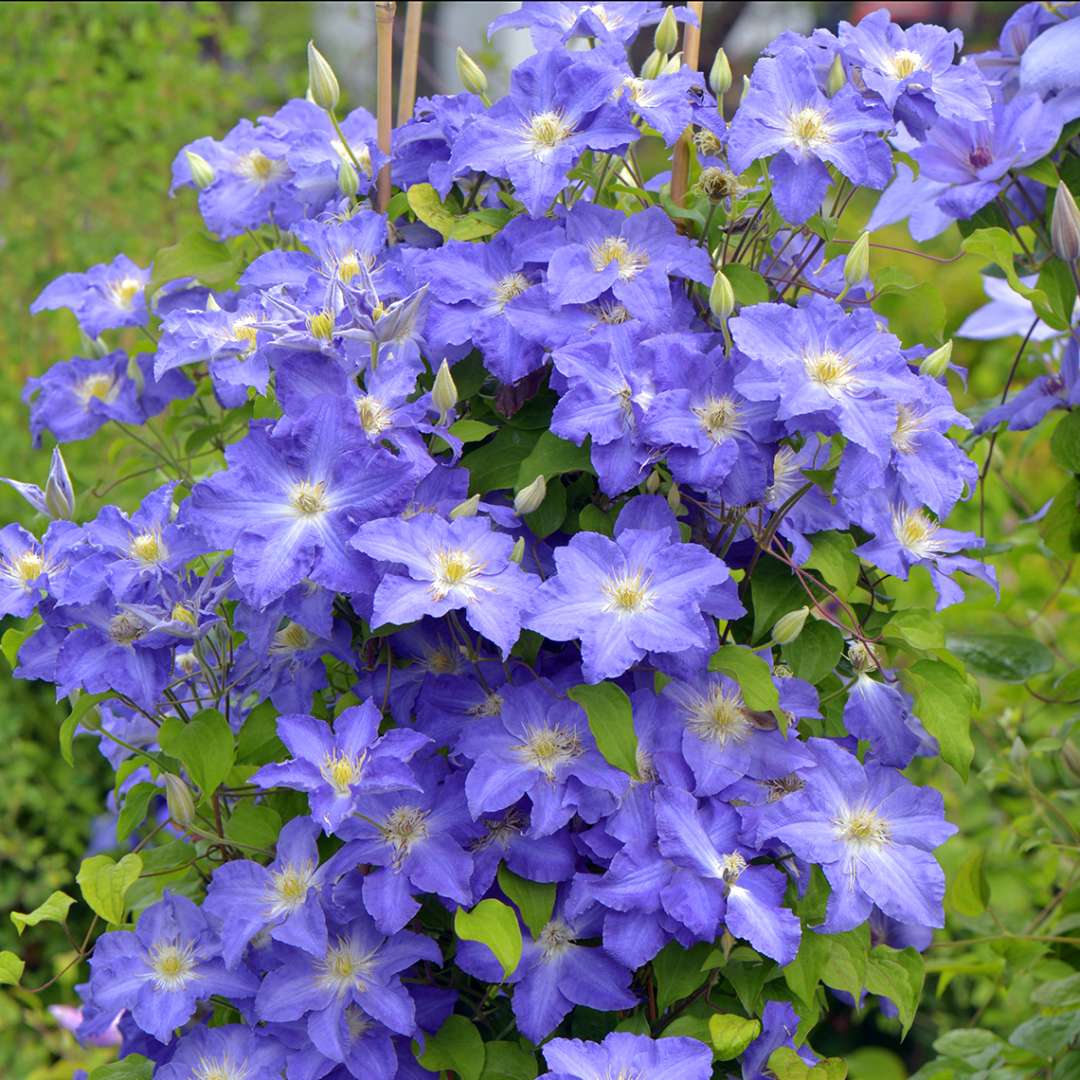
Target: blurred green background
<point>95,101</point>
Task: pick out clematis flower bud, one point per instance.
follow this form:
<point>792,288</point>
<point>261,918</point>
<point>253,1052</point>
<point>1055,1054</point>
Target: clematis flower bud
<point>666,36</point>
<point>322,82</point>
<point>837,77</point>
<point>178,800</point>
<point>59,494</point>
<point>347,180</point>
<point>530,497</point>
<point>788,627</point>
<point>466,509</point>
<point>651,68</point>
<point>1065,226</point>
<point>937,363</point>
<point>202,172</point>
<point>652,482</point>
<point>673,65</point>
<point>721,296</point>
<point>857,263</point>
<point>471,74</point>
<point>674,498</point>
<point>518,552</point>
<point>720,74</point>
<point>444,393</point>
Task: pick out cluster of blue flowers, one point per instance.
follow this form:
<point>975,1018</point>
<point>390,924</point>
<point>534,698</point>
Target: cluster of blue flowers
<point>425,623</point>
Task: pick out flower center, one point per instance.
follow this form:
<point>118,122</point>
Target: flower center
<point>454,570</point>
<point>731,866</point>
<point>491,706</point>
<point>309,499</point>
<point>403,827</point>
<point>917,533</point>
<point>614,249</point>
<point>444,661</point>
<point>905,62</point>
<point>555,938</point>
<point>547,748</point>
<point>719,418</point>
<point>28,566</point>
<point>147,547</point>
<point>290,887</point>
<point>508,288</point>
<point>610,314</point>
<point>375,417</point>
<point>908,425</point>
<point>546,130</point>
<point>830,370</point>
<point>341,771</point>
<point>344,967</point>
<point>348,267</point>
<point>291,638</point>
<point>782,786</point>
<point>223,1068</point>
<point>258,168</point>
<point>863,828</point>
<point>721,717</point>
<point>102,387</point>
<point>980,157</point>
<point>321,325</point>
<point>124,291</point>
<point>809,128</point>
<point>181,613</point>
<point>710,146</point>
<point>500,830</point>
<point>243,331</point>
<point>172,965</point>
<point>627,594</point>
<point>125,629</point>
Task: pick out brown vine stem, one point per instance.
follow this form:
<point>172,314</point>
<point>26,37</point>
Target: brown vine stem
<point>680,165</point>
<point>384,54</point>
<point>410,60</point>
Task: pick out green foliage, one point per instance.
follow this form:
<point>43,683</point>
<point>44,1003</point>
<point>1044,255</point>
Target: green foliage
<point>495,925</point>
<point>611,721</point>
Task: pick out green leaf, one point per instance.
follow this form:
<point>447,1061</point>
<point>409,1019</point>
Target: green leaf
<point>1047,1036</point>
<point>552,456</point>
<point>611,720</point>
<point>105,882</point>
<point>897,974</point>
<point>732,1034</point>
<point>1000,247</point>
<point>11,968</point>
<point>551,513</point>
<point>1065,443</point>
<point>253,825</point>
<point>495,925</point>
<point>1059,994</point>
<point>1043,171</point>
<point>133,1067</point>
<point>81,707</point>
<point>205,745</point>
<point>785,1064</point>
<point>471,430</point>
<point>920,630</point>
<point>11,642</point>
<point>753,675</point>
<point>748,285</point>
<point>54,909</point>
<point>534,900</point>
<point>838,960</point>
<point>134,809</point>
<point>1060,527</point>
<point>775,591</point>
<point>592,519</point>
<point>678,972</point>
<point>1005,656</point>
<point>916,313</point>
<point>496,465</point>
<point>197,256</point>
<point>425,203</point>
<point>944,703</point>
<point>968,892</point>
<point>833,555</point>
<point>1057,282</point>
<point>508,1061</point>
<point>815,652</point>
<point>456,1046</point>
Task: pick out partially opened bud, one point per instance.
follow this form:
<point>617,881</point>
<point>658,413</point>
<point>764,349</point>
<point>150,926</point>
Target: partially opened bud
<point>178,800</point>
<point>745,87</point>
<point>857,263</point>
<point>652,482</point>
<point>471,74</point>
<point>674,498</point>
<point>721,296</point>
<point>673,65</point>
<point>348,181</point>
<point>836,77</point>
<point>666,36</point>
<point>720,74</point>
<point>937,363</point>
<point>202,172</point>
<point>323,86</point>
<point>788,627</point>
<point>518,552</point>
<point>444,391</point>
<point>466,509</point>
<point>653,63</point>
<point>59,494</point>
<point>530,497</point>
<point>94,348</point>
<point>1065,226</point>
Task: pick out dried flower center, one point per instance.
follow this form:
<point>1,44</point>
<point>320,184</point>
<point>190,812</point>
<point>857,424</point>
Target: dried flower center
<point>443,661</point>
<point>454,570</point>
<point>831,370</point>
<point>862,827</point>
<point>904,62</point>
<point>290,886</point>
<point>172,966</point>
<point>908,425</point>
<point>861,656</point>
<point>628,594</point>
<point>718,183</point>
<point>147,547</point>
<point>124,291</point>
<point>292,638</point>
<point>309,499</point>
<point>508,288</point>
<point>100,387</point>
<point>125,629</point>
<point>500,830</point>
<point>916,533</point>
<point>321,325</point>
<point>344,967</point>
<point>341,771</point>
<point>258,168</point>
<point>546,131</point>
<point>719,417</point>
<point>491,706</point>
<point>614,249</point>
<point>781,786</point>
<point>374,416</point>
<point>719,717</point>
<point>809,128</point>
<point>547,748</point>
<point>710,146</point>
<point>610,314</point>
<point>555,938</point>
<point>731,867</point>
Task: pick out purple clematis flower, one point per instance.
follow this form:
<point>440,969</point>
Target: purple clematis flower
<point>335,765</point>
<point>872,832</point>
<point>232,1052</point>
<point>451,565</point>
<point>626,597</point>
<point>786,115</point>
<point>105,297</point>
<point>163,968</point>
<point>779,1025</point>
<point>554,24</point>
<point>288,504</point>
<point>624,1054</point>
<point>557,108</point>
<point>1055,390</point>
<point>715,883</point>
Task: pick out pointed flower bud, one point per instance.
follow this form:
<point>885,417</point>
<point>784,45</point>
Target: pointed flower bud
<point>745,87</point>
<point>651,68</point>
<point>444,393</point>
<point>347,180</point>
<point>471,74</point>
<point>59,494</point>
<point>466,509</point>
<point>531,496</point>
<point>673,65</point>
<point>937,363</point>
<point>857,263</point>
<point>836,77</point>
<point>788,627</point>
<point>323,86</point>
<point>518,552</point>
<point>178,800</point>
<point>674,498</point>
<point>652,482</point>
<point>1065,226</point>
<point>202,172</point>
<point>721,296</point>
<point>720,74</point>
<point>666,37</point>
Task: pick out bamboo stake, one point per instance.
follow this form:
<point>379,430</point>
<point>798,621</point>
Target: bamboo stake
<point>680,166</point>
<point>410,60</point>
<point>384,49</point>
